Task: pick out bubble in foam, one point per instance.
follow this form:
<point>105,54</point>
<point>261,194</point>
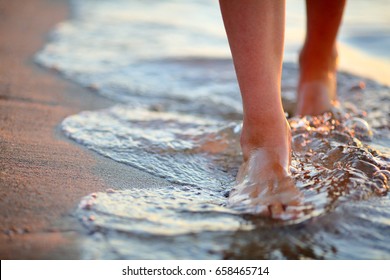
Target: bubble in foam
<point>359,128</point>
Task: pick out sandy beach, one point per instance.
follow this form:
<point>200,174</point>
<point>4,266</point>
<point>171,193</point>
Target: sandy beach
<point>42,174</point>
<point>120,127</point>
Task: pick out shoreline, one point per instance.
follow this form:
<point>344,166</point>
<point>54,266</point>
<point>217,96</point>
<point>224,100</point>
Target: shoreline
<point>44,175</point>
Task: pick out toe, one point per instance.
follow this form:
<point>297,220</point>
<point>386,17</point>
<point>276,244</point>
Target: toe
<point>276,210</point>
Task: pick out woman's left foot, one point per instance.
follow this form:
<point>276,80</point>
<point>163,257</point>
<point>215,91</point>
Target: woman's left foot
<point>316,93</point>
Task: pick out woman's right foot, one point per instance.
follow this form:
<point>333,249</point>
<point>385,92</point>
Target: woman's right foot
<point>263,184</point>
<point>264,187</point>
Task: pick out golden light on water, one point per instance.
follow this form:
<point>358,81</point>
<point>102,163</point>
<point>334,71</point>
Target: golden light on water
<point>357,62</point>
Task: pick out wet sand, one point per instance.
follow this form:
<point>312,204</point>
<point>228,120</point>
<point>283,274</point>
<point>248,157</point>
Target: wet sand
<point>43,176</point>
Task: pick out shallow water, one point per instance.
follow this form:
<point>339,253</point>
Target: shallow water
<point>344,182</point>
<point>179,116</point>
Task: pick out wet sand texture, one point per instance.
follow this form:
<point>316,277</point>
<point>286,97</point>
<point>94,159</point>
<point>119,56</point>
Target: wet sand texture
<point>43,175</point>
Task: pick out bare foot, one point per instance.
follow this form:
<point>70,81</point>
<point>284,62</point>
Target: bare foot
<point>316,97</point>
<point>264,185</point>
<point>317,84</point>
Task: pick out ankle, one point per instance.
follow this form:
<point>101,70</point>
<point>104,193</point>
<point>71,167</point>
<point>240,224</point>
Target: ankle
<point>271,132</point>
<point>316,92</point>
<point>317,65</point>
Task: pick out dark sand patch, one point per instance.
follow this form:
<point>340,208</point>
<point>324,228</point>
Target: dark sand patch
<point>42,175</point>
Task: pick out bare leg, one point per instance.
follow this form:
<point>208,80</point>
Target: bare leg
<point>318,58</point>
<point>255,31</point>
